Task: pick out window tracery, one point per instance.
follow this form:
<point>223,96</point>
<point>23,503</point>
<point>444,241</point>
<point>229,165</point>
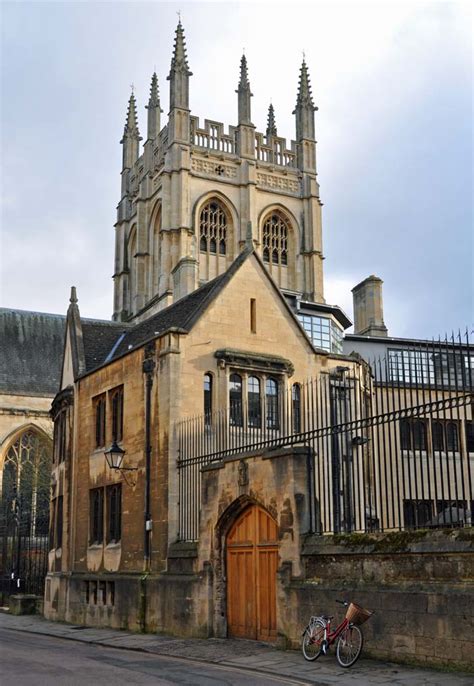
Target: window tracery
<point>213,226</point>
<point>27,474</point>
<point>275,239</point>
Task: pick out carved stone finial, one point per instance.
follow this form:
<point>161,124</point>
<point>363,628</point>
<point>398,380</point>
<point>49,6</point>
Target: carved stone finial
<point>73,298</point>
<point>131,123</point>
<point>305,97</point>
<point>271,123</point>
<point>154,100</point>
<point>179,61</point>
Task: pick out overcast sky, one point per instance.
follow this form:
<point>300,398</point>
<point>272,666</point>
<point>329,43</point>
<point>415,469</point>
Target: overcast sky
<point>393,83</point>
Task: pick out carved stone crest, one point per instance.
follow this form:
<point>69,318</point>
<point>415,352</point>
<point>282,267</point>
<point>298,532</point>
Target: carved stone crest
<point>243,478</point>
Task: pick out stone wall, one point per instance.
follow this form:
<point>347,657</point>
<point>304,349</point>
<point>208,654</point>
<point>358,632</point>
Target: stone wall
<point>420,585</point>
<point>173,603</point>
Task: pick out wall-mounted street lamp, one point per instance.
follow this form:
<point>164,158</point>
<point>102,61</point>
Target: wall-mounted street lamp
<point>114,458</point>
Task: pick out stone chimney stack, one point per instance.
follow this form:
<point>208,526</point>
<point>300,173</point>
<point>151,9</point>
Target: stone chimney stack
<point>368,307</point>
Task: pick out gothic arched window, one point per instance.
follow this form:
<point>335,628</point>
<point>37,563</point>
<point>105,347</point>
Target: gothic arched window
<point>26,479</point>
<point>438,436</point>
<point>405,435</point>
<point>419,435</point>
<point>131,253</point>
<point>213,225</point>
<point>275,239</point>
<point>452,438</point>
<point>155,252</point>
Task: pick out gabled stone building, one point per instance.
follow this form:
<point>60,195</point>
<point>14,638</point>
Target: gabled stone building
<point>218,311</point>
<point>211,434</point>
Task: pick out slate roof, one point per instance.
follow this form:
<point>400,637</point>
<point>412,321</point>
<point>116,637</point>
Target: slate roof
<point>31,348</point>
<point>99,338</point>
<point>106,341</point>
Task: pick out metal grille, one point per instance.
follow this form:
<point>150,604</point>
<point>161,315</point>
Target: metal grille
<point>23,549</point>
<point>378,463</point>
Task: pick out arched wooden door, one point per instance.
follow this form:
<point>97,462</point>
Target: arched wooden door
<point>252,559</point>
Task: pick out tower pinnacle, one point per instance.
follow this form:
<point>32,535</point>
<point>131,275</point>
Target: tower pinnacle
<point>180,59</point>
<point>154,100</point>
<point>131,124</point>
<point>154,109</point>
<point>304,111</point>
<point>179,72</point>
<point>304,97</point>
<point>271,123</point>
<point>244,93</point>
<point>244,73</point>
<point>131,135</point>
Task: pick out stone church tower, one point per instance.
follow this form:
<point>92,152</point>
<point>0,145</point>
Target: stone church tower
<point>196,196</point>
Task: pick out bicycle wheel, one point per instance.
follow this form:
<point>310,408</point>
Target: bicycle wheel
<point>312,640</point>
<point>349,646</point>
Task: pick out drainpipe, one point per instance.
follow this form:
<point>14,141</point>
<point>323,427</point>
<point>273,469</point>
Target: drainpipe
<point>310,456</point>
<point>148,369</point>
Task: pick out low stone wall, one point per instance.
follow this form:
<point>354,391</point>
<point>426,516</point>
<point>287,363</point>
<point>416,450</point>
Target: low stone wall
<point>175,602</point>
<point>420,585</point>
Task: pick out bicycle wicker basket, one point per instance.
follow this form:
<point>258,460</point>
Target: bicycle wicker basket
<point>357,615</point>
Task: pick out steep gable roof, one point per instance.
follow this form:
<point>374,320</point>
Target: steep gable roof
<point>31,346</point>
<point>105,342</point>
<point>180,315</point>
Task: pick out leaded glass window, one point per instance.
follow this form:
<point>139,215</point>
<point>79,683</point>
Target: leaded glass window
<point>296,407</point>
<point>437,431</point>
<point>114,513</point>
<point>254,402</point>
<point>452,438</point>
<point>96,515</point>
<point>213,228</point>
<point>207,398</point>
<point>235,398</point>
<point>117,414</point>
<point>271,392</point>
<point>26,476</point>
<point>419,435</point>
<point>275,240</point>
<point>100,421</point>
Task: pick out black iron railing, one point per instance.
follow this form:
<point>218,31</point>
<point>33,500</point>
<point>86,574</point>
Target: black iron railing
<point>24,546</point>
<point>393,441</point>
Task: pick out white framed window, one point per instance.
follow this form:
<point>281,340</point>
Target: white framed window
<point>322,331</point>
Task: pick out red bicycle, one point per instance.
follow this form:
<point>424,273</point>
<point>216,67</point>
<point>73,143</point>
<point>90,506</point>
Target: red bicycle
<point>318,636</point>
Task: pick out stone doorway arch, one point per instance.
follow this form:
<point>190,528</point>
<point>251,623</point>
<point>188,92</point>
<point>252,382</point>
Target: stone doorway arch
<point>251,562</point>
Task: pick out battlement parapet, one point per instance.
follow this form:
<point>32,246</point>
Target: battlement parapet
<point>274,151</point>
<point>212,136</point>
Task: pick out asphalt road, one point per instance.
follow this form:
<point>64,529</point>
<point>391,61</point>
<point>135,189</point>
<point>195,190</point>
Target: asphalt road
<point>28,659</point>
